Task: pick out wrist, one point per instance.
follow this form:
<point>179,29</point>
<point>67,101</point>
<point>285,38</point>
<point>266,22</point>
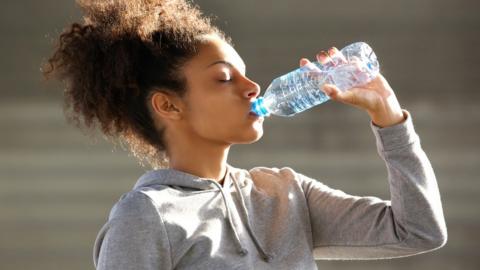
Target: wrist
<point>387,117</point>
<point>387,112</point>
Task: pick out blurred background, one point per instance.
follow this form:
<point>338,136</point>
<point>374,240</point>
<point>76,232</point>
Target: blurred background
<point>57,185</point>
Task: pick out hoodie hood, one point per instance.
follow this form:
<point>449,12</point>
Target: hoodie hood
<point>188,182</point>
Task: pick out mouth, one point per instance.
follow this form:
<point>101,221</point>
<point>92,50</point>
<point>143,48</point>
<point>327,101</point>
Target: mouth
<point>255,117</point>
<point>252,115</point>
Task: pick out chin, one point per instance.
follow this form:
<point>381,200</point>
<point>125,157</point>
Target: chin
<point>251,137</point>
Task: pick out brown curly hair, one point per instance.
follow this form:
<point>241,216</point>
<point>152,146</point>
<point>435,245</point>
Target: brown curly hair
<point>124,51</point>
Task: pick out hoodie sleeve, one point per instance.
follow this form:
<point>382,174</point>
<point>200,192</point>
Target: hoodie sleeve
<point>353,227</point>
<point>133,238</point>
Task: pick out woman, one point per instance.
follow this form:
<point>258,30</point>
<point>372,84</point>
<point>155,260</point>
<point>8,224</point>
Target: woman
<point>158,76</point>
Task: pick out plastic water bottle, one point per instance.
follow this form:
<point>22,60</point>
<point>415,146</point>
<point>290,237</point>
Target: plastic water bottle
<point>299,90</point>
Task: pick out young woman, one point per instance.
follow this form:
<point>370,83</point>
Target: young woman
<point>158,76</point>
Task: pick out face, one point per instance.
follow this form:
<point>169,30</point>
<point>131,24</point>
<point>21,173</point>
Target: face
<point>219,96</point>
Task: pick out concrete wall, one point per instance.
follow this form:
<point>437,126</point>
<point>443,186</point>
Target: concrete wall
<point>57,186</point>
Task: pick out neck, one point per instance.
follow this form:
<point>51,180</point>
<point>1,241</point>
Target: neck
<point>198,157</point>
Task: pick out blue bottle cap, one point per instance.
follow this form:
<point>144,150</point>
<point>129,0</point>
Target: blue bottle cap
<point>259,108</point>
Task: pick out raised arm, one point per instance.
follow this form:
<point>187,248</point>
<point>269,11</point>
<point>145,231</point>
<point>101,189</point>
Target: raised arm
<point>412,222</point>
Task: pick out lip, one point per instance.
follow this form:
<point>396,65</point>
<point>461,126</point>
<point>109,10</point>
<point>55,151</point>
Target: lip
<point>254,116</point>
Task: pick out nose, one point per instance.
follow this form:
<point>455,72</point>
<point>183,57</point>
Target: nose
<point>252,89</point>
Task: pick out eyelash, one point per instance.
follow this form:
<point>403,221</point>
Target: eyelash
<point>225,81</point>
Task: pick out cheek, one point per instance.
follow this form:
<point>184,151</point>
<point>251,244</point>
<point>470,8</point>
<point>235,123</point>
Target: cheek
<point>216,118</point>
<point>221,116</point>
<point>209,115</point>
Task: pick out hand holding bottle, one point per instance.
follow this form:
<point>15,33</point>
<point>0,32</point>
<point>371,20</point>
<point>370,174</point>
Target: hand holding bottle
<point>376,97</point>
<point>350,76</point>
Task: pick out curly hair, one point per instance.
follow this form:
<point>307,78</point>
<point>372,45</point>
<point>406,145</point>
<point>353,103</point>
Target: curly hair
<point>124,51</point>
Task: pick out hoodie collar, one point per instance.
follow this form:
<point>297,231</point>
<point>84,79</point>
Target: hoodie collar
<point>173,177</point>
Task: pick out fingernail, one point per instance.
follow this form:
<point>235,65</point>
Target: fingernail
<point>323,56</point>
<point>332,51</point>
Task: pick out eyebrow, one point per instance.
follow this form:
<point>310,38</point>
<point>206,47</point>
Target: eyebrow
<point>222,62</point>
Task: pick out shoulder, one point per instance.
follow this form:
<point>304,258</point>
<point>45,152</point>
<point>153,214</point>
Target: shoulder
<point>133,205</point>
<point>267,172</point>
<point>262,175</point>
<point>286,175</point>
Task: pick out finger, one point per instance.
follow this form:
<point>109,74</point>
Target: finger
<point>332,51</point>
<point>331,90</point>
<point>323,57</point>
<point>306,65</point>
<point>337,56</point>
<point>304,61</point>
<point>334,93</point>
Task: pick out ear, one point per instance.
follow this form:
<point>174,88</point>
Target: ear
<point>167,105</point>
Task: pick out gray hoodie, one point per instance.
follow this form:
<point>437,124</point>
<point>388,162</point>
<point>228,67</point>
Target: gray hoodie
<point>271,218</point>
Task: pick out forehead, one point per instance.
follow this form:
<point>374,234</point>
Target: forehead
<point>214,49</point>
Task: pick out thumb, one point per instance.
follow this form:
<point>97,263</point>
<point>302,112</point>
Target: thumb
<point>331,90</point>
<point>347,97</point>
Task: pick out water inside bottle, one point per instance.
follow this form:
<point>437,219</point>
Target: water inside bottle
<point>289,86</point>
